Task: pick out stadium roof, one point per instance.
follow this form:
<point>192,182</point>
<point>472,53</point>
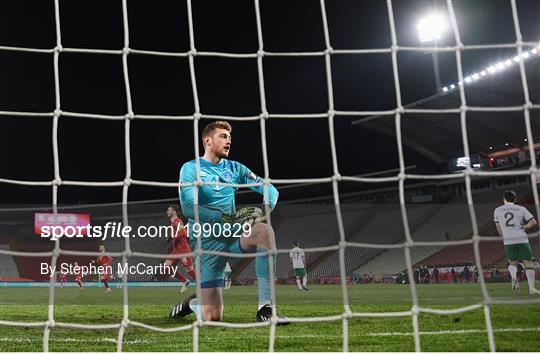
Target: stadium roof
<point>438,136</point>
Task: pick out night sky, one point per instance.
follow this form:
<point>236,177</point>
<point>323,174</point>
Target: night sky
<point>93,150</point>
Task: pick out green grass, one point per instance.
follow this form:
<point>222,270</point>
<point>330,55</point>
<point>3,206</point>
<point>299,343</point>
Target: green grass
<point>517,328</point>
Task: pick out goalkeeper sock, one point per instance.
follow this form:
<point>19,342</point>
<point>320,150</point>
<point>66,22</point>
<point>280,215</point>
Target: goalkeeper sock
<point>263,278</point>
<point>530,278</point>
<point>196,307</point>
<point>513,271</point>
<point>298,283</point>
<point>304,281</point>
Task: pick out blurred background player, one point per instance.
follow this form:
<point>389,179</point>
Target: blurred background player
<point>227,276</point>
<point>63,278</point>
<point>77,271</point>
<point>298,259</point>
<point>216,205</point>
<point>106,263</point>
<point>512,222</point>
<point>178,244</point>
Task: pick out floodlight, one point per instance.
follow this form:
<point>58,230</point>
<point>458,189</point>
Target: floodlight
<point>431,28</point>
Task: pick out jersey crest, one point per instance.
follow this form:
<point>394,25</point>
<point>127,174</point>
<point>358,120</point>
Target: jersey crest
<point>227,176</point>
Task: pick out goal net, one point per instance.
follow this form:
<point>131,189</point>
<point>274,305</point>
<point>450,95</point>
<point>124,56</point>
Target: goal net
<point>523,50</point>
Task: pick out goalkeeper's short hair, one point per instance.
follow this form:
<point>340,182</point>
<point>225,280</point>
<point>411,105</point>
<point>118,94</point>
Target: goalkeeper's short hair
<point>220,124</point>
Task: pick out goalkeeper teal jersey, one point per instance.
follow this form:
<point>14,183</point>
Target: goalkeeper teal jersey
<point>214,200</point>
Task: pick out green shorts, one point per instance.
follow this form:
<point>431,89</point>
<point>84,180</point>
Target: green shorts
<point>300,272</point>
<point>227,275</point>
<point>518,252</point>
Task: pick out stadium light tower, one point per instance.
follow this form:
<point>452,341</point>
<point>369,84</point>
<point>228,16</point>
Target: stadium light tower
<point>431,28</point>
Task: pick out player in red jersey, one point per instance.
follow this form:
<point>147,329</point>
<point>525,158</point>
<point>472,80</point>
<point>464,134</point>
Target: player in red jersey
<point>106,263</point>
<point>77,271</point>
<point>178,244</point>
<point>63,278</point>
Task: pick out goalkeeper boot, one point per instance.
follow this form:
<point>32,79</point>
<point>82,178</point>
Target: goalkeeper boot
<point>305,288</point>
<point>265,314</point>
<point>515,285</point>
<point>182,309</point>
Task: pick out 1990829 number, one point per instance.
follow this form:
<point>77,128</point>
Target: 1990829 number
<point>219,230</point>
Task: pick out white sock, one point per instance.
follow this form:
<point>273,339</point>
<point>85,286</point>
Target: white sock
<point>513,271</point>
<point>304,282</point>
<point>196,307</point>
<point>298,283</point>
<point>530,278</point>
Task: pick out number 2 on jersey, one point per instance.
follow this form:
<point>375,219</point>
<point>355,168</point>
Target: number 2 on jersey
<point>509,217</point>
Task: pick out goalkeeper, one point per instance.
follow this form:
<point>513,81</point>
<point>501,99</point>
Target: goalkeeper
<point>217,206</point>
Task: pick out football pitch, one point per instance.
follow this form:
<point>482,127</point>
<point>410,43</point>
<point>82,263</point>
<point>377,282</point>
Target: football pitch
<point>516,327</point>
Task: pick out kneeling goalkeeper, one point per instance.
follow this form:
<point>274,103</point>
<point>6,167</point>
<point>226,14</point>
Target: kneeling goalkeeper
<point>216,205</point>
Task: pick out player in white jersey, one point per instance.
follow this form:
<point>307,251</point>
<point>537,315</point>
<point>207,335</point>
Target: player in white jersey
<point>227,276</point>
<point>512,222</point>
<point>298,259</point>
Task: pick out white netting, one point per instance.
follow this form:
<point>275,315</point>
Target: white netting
<point>328,53</point>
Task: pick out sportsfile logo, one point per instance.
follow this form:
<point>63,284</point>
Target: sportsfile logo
<point>111,229</point>
<point>56,225</point>
<point>116,230</point>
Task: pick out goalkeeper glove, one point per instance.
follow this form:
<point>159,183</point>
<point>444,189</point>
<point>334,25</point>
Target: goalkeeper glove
<point>250,215</point>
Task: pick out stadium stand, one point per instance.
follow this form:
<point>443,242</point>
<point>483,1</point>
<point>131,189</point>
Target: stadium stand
<point>315,226</point>
<point>8,268</point>
<point>386,227</point>
<point>435,229</point>
<point>490,252</point>
<point>311,226</point>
